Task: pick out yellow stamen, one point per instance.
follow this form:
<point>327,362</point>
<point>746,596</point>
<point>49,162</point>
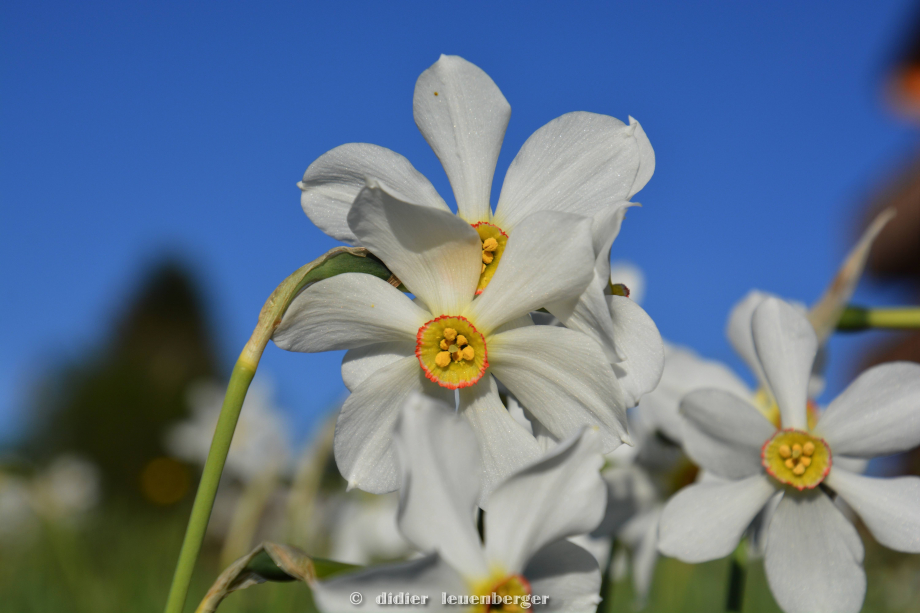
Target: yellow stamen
<point>487,257</point>
<point>797,458</point>
<point>490,244</point>
<point>451,352</point>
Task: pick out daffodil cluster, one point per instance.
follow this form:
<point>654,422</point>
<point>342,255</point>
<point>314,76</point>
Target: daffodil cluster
<point>494,369</point>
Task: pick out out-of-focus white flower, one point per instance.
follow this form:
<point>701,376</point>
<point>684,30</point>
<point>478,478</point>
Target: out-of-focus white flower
<point>449,339</point>
<point>813,555</point>
<point>68,487</point>
<point>260,443</point>
<point>365,529</point>
<point>18,521</point>
<point>579,163</point>
<point>527,522</point>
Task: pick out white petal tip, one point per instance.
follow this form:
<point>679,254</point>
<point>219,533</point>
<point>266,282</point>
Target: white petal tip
<point>301,185</point>
<point>352,484</point>
<point>627,440</point>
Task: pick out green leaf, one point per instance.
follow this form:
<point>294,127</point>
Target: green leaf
<point>269,562</point>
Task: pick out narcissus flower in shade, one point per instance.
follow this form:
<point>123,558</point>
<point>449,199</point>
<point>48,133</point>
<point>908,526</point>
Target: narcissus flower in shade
<point>260,446</point>
<point>525,552</point>
<point>449,339</point>
<point>813,555</point>
<point>580,163</point>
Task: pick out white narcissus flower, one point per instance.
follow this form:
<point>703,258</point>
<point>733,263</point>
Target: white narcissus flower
<point>68,487</point>
<point>260,446</point>
<point>529,518</point>
<point>685,371</point>
<point>581,163</point>
<point>449,339</point>
<point>813,554</point>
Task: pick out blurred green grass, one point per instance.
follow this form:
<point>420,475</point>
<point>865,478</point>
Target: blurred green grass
<point>121,560</point>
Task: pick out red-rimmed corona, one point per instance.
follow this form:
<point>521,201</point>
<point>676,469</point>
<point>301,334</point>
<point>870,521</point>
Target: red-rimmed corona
<point>797,458</point>
<point>451,351</point>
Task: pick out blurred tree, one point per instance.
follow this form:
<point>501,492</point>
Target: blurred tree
<point>895,255</point>
<point>114,407</point>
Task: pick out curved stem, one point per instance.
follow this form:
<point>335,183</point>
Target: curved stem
<point>336,261</point>
<point>242,376</point>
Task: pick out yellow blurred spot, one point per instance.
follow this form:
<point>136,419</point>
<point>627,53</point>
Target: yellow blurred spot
<point>164,481</point>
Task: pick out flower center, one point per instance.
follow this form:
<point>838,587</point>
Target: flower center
<point>768,407</point>
<point>451,351</point>
<point>493,245</point>
<point>797,458</point>
<point>510,594</point>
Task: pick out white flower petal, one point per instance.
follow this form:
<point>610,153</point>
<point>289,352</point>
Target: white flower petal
<point>605,227</point>
<point>435,254</point>
<point>630,495</point>
<point>563,378</point>
<point>568,574</point>
<point>577,163</point>
<point>358,364</point>
<point>705,521</point>
<point>853,465</point>
<point>504,444</point>
<point>889,507</point>
<point>814,557</point>
<point>646,159</point>
<point>878,414</point>
<point>332,182</point>
<point>739,331</point>
<point>347,311</point>
<point>425,576</point>
<point>463,116</point>
<point>639,341</point>
<point>645,554</point>
<point>684,372</point>
<point>548,257</point>
<point>441,480</point>
<point>534,507</point>
<point>786,347</point>
<point>723,433</point>
<point>589,313</point>
<point>363,445</point>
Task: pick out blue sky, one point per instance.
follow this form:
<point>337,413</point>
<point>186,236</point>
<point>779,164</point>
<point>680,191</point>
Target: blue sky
<point>133,130</point>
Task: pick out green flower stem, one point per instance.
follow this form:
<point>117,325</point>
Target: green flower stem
<point>858,318</point>
<point>337,261</point>
<point>734,597</point>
